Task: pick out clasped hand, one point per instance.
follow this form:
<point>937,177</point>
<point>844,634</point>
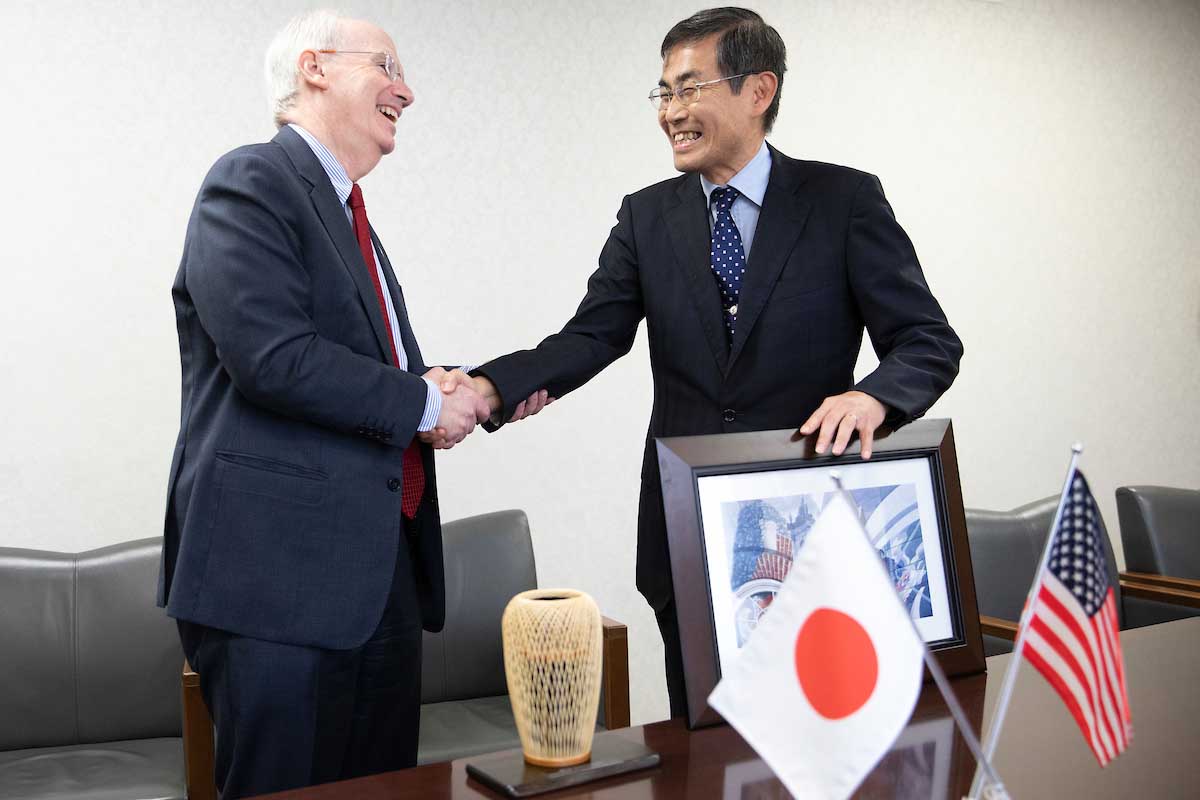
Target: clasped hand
<point>467,402</point>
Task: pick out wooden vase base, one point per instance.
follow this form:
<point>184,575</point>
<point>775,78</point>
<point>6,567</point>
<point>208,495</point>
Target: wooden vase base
<point>509,772</point>
<point>558,763</point>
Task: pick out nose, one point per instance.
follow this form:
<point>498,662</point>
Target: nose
<point>403,92</point>
<point>675,111</point>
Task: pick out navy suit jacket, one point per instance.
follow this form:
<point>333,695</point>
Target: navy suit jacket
<point>828,259</point>
<point>283,517</point>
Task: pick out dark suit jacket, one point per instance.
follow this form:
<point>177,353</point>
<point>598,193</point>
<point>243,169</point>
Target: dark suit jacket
<point>828,258</point>
<point>283,519</point>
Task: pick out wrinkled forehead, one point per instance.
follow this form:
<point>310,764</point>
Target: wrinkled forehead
<point>358,34</point>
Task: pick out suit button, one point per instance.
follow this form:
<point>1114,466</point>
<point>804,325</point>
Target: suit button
<point>393,484</point>
<point>730,415</point>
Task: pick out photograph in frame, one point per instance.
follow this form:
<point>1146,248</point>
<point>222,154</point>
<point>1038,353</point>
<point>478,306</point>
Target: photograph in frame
<point>739,505</point>
<point>754,524</point>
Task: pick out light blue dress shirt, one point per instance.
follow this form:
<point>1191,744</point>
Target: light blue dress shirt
<point>751,183</point>
<point>342,186</point>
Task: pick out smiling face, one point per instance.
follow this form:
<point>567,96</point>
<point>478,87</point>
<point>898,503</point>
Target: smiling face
<point>720,133</point>
<point>358,105</point>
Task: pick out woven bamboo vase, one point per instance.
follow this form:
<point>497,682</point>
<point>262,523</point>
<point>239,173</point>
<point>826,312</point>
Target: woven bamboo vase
<point>552,652</point>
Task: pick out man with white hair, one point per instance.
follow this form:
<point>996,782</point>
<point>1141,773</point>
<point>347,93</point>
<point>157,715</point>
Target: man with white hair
<point>302,553</point>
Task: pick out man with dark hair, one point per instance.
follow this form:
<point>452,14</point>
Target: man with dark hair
<point>756,274</point>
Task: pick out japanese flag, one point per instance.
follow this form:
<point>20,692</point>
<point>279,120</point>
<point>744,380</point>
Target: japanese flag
<point>833,670</point>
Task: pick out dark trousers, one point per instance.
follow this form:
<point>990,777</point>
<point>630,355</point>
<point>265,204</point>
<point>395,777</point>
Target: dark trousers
<point>668,626</point>
<point>289,716</point>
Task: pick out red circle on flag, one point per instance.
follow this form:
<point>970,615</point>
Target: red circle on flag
<point>836,663</point>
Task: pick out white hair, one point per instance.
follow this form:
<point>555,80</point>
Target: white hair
<point>314,30</point>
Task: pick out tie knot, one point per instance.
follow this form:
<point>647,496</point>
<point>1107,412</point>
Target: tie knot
<point>355,200</point>
<point>723,197</point>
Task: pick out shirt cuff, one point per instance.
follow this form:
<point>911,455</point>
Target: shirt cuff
<point>433,406</point>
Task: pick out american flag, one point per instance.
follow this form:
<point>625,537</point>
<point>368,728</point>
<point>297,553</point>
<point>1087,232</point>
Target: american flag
<point>1072,637</point>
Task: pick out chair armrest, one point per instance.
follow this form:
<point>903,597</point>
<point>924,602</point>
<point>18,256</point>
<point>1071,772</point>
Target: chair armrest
<point>614,674</point>
<point>1000,628</point>
<point>198,758</point>
<point>1170,582</point>
<point>1162,588</point>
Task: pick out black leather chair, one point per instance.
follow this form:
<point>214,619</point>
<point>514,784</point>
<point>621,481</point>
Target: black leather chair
<point>1160,532</point>
<point>465,708</point>
<point>1006,547</point>
<point>464,696</point>
<point>89,699</point>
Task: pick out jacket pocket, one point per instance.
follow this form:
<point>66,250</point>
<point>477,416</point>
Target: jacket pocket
<point>269,477</point>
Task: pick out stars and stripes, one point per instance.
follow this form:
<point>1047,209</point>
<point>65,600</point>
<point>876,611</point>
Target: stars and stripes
<point>1072,637</point>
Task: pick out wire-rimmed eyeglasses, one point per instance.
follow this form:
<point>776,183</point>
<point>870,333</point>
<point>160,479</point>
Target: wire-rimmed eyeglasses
<point>382,60</point>
<point>687,94</point>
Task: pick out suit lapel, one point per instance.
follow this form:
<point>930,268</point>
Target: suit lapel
<point>341,232</point>
<point>686,218</point>
<point>779,225</point>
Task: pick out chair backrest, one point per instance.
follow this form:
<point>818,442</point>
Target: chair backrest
<point>1006,547</point>
<point>488,558</point>
<point>85,655</point>
<point>1160,530</point>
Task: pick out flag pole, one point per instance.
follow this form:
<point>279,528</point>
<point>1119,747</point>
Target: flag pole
<point>935,669</point>
<point>1010,675</point>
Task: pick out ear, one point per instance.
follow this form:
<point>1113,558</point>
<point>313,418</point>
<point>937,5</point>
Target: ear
<point>311,71</point>
<point>764,86</point>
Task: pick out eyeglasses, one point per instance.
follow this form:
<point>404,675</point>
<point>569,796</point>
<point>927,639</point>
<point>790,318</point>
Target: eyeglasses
<point>688,94</point>
<point>383,60</point>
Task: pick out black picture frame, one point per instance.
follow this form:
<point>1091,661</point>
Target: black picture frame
<point>685,460</point>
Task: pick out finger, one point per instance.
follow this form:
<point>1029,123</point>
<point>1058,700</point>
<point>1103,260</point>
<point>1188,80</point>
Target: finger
<point>829,425</point>
<point>815,418</point>
<point>844,430</point>
<point>448,386</point>
<point>518,412</point>
<point>866,434</point>
<point>536,401</point>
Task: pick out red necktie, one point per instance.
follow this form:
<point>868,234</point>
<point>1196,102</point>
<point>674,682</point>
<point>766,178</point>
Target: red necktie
<point>413,475</point>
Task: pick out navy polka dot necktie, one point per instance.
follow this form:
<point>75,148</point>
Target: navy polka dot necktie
<point>727,257</point>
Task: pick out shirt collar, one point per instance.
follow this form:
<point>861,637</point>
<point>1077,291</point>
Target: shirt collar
<point>333,168</point>
<point>751,180</point>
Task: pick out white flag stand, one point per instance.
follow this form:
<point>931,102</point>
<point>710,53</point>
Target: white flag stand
<point>1010,676</point>
<point>995,787</point>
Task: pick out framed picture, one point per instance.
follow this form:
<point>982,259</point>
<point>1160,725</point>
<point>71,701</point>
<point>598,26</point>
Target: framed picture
<point>739,506</point>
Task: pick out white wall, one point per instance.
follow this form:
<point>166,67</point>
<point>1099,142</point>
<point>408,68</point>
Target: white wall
<point>1042,155</point>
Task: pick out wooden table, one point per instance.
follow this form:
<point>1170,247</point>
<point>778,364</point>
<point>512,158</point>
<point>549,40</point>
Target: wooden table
<point>1041,753</point>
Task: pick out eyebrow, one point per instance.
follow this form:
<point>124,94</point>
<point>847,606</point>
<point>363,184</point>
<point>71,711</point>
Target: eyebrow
<point>691,74</point>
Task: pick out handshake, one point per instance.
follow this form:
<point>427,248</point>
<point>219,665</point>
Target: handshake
<point>467,402</point>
